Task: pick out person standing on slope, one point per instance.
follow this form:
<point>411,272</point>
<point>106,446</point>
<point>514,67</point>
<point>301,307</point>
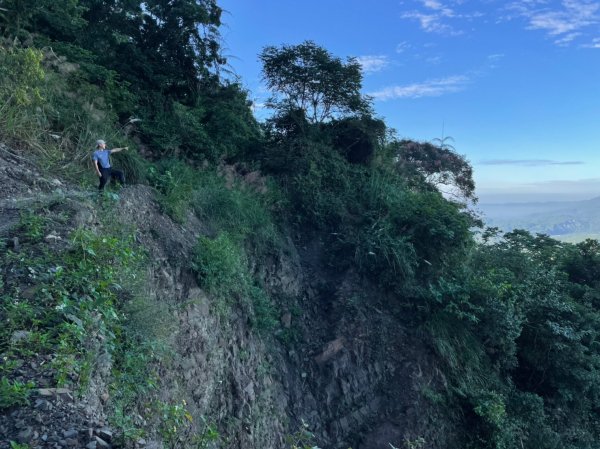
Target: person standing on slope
<point>101,158</point>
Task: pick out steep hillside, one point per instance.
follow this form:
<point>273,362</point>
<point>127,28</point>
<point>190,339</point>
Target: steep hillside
<point>309,280</point>
<point>348,373</point>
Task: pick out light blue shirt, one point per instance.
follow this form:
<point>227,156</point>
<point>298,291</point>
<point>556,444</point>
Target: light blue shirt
<point>103,157</point>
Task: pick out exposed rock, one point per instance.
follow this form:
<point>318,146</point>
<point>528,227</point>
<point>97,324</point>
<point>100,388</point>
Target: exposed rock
<point>330,350</point>
<point>19,336</point>
<point>52,238</point>
<point>286,320</point>
<point>105,434</point>
<point>43,405</point>
<point>101,443</point>
<point>25,435</point>
<point>71,433</point>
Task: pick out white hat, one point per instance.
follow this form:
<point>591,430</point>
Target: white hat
<point>100,142</point>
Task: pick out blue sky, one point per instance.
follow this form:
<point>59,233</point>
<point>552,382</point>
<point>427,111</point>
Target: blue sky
<point>515,84</point>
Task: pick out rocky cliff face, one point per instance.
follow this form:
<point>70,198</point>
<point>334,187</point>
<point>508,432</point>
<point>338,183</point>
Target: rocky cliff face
<point>347,371</point>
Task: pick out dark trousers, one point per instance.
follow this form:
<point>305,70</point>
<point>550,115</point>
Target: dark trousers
<point>108,174</point>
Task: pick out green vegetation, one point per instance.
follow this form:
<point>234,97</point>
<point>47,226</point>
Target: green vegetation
<point>513,319</point>
<point>14,445</point>
<point>223,270</point>
<point>14,392</point>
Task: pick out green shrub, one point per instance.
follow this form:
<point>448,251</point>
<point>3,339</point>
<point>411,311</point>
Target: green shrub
<point>240,211</point>
<point>222,269</point>
<point>21,77</point>
<point>14,392</point>
<point>221,265</point>
<point>32,225</point>
<point>175,182</point>
<point>133,165</point>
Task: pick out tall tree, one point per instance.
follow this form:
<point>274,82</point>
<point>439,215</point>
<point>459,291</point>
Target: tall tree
<point>57,19</point>
<point>307,77</point>
<point>158,45</point>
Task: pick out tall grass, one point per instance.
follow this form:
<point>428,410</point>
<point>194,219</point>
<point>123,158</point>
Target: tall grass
<point>49,111</point>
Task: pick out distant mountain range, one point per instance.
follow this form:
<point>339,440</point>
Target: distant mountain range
<point>565,220</point>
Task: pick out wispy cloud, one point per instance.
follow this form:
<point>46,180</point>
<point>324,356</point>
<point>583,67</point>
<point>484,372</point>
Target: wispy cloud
<point>438,86</point>
<point>373,63</point>
<point>563,21</point>
<point>594,44</point>
<point>433,19</point>
<point>402,47</point>
<point>435,16</point>
<point>493,60</point>
<point>529,162</point>
<point>434,60</point>
<point>431,88</point>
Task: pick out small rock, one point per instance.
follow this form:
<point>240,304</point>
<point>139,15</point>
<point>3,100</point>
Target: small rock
<point>104,397</point>
<point>24,436</point>
<point>141,442</point>
<point>71,433</point>
<point>286,320</point>
<point>72,318</point>
<point>56,182</point>
<point>63,393</point>
<point>101,442</point>
<point>105,434</point>
<point>91,445</point>
<point>19,336</point>
<point>42,404</point>
<point>72,442</point>
<point>51,238</point>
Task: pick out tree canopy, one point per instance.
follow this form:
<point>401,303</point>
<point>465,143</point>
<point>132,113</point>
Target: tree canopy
<point>307,77</point>
<point>437,165</point>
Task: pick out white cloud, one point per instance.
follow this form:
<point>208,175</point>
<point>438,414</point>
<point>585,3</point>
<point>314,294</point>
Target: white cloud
<point>431,23</point>
<point>373,63</point>
<point>402,47</point>
<point>594,44</point>
<point>494,60</point>
<point>567,39</point>
<point>435,15</point>
<point>431,88</point>
<point>564,22</point>
<point>434,60</point>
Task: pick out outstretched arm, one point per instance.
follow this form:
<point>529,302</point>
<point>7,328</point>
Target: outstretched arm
<point>116,150</point>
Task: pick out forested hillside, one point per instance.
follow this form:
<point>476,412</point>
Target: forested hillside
<point>291,283</point>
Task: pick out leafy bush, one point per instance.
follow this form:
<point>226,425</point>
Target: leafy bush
<point>175,182</point>
<point>222,269</point>
<point>517,335</point>
<point>14,393</point>
<point>238,209</point>
<point>221,265</point>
